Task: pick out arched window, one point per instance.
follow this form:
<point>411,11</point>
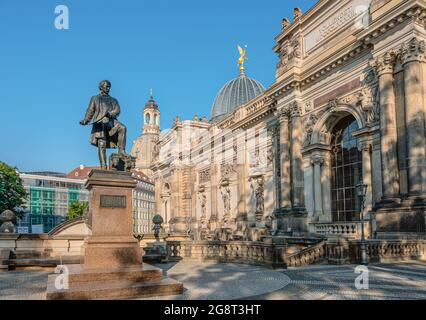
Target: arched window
<point>346,171</point>
<point>147,118</point>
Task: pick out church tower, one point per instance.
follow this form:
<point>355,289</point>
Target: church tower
<point>144,145</point>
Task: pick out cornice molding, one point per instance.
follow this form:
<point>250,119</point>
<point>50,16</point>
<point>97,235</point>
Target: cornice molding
<point>417,13</point>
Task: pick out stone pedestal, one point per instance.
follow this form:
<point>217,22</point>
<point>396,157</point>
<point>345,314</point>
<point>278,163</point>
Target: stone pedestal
<point>407,217</point>
<point>293,221</point>
<point>156,252</point>
<point>112,244</point>
<point>112,263</point>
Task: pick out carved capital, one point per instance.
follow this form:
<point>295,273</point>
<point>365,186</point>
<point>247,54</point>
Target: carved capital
<point>385,64</point>
<point>296,109</point>
<point>317,160</point>
<point>273,131</point>
<point>365,146</point>
<point>413,50</point>
<point>284,114</point>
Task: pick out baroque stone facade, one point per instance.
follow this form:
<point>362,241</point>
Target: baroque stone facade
<point>347,106</point>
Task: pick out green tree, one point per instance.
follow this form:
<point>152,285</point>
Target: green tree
<point>76,209</point>
<point>12,192</point>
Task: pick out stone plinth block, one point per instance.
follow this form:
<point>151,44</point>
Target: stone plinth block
<point>112,244</point>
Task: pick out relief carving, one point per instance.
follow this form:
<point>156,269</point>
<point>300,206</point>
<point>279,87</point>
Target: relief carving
<point>257,184</point>
<point>296,47</point>
<point>309,127</point>
<point>226,198</point>
<point>203,204</point>
<point>155,152</point>
<point>369,98</point>
<point>226,170</point>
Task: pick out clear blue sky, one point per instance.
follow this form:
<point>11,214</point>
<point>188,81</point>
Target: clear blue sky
<point>185,50</point>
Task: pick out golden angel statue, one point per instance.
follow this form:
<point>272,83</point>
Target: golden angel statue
<point>242,57</point>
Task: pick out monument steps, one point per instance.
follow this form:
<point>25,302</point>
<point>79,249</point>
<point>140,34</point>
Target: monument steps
<point>77,274</point>
<point>116,289</point>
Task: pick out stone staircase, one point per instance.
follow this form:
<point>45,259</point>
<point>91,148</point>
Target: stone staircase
<point>310,255</point>
<point>125,283</point>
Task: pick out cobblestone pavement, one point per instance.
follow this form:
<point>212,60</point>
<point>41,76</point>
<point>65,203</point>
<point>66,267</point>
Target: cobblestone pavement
<point>232,281</point>
<point>326,282</point>
<point>23,285</point>
<point>212,281</point>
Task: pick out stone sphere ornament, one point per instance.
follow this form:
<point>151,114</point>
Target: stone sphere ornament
<point>7,219</point>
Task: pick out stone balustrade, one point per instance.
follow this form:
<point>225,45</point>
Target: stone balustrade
<point>310,255</point>
<point>350,230</point>
<point>349,251</point>
<point>382,251</point>
<point>258,253</point>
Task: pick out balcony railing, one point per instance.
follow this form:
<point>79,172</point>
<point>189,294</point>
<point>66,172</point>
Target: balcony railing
<point>351,230</point>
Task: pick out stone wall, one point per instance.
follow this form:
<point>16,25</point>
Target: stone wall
<point>42,245</point>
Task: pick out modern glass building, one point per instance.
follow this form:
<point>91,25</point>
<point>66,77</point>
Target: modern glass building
<point>48,199</point>
<point>143,203</point>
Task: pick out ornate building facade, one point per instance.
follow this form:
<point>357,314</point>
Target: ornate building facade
<point>347,107</point>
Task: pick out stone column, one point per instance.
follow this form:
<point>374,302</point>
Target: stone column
<point>272,152</point>
<point>376,160</point>
<point>385,67</point>
<point>213,195</point>
<point>296,156</point>
<point>413,55</point>
<point>366,174</point>
<point>326,188</point>
<point>285,159</point>
<point>317,162</point>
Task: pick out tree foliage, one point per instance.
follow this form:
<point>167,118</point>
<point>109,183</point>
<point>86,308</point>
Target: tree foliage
<point>76,209</point>
<point>12,192</point>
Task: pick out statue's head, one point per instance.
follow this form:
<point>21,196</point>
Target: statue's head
<point>105,86</point>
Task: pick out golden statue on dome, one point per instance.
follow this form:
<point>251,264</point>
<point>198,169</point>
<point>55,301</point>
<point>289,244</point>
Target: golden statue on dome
<point>242,58</point>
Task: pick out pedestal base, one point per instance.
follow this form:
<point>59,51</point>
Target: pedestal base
<point>294,221</point>
<point>156,252</point>
<point>122,283</point>
<point>407,216</point>
<point>111,252</point>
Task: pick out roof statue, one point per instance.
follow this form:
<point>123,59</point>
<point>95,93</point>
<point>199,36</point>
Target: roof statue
<point>242,58</point>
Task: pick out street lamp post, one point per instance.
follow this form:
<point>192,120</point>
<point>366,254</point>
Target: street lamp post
<point>362,191</point>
